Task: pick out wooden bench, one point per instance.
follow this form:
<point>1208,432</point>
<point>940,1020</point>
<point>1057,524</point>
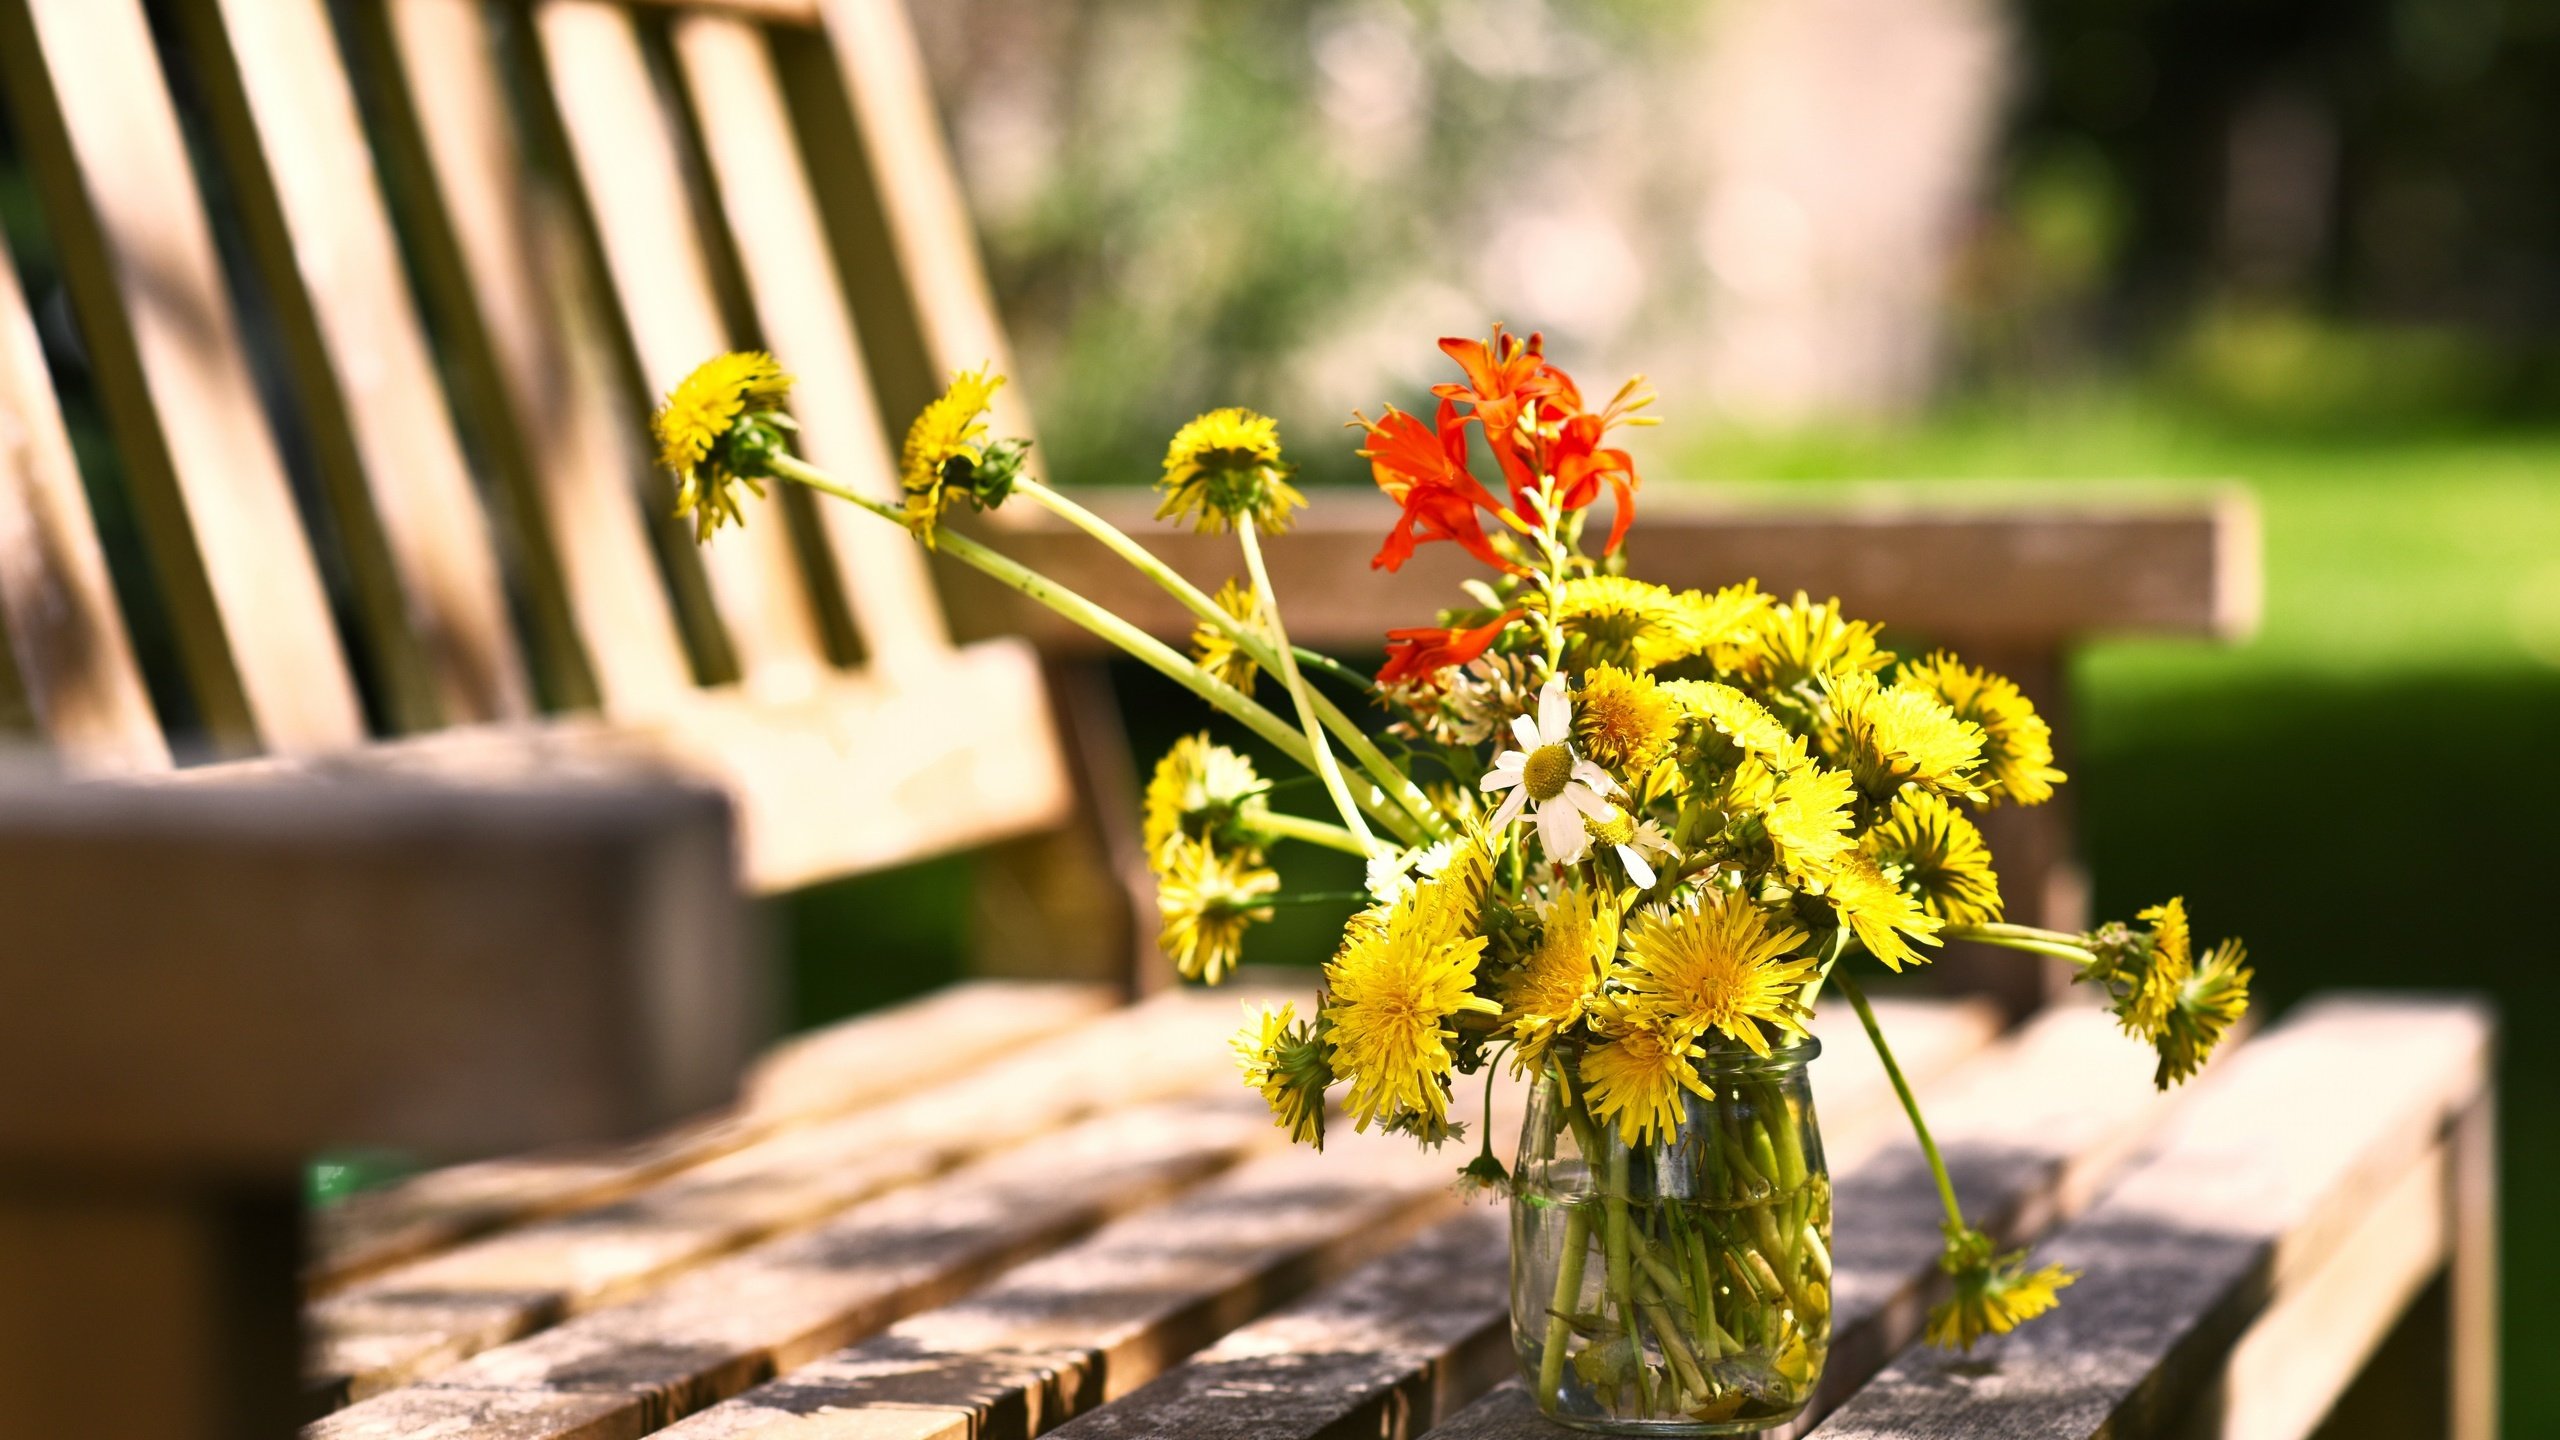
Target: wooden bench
<point>1131,1250</point>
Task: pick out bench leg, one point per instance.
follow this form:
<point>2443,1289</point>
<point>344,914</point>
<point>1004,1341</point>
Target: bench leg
<point>2471,1275</point>
<point>1078,903</point>
<point>149,1311</point>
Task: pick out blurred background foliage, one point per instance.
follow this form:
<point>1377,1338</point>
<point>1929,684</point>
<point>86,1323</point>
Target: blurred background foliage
<point>2309,246</point>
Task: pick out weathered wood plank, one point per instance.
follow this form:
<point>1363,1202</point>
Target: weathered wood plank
<point>1085,1326</point>
<point>2028,1129</point>
<point>2266,1181</point>
<point>856,773</point>
<point>73,658</point>
<point>582,946</point>
<point>621,144</point>
<point>843,1067</point>
<point>418,548</point>
<point>755,161</point>
<point>2027,572</point>
<point>929,265</point>
<point>1386,1352</point>
<point>244,594</point>
<point>419,1317</point>
<point>498,266</point>
<point>732,1324</point>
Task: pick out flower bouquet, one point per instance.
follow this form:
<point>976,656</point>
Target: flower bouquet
<point>1619,839</point>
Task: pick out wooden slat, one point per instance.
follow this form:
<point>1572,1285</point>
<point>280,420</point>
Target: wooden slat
<point>843,1067</point>
<point>73,657</point>
<point>418,548</point>
<point>859,773</point>
<point>2029,572</point>
<point>602,914</point>
<point>1085,1326</point>
<point>495,257</point>
<point>733,1324</point>
<point>756,162</point>
<point>2207,1274</point>
<point>622,146</point>
<point>243,594</point>
<point>421,1317</point>
<point>1088,1325</point>
<point>915,198</point>
<point>1386,1352</point>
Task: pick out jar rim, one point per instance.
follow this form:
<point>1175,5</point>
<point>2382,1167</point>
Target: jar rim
<point>1743,1062</point>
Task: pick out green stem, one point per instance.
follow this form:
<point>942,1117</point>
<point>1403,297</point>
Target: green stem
<point>1296,684</point>
<point>1316,897</point>
<point>1569,1268</point>
<point>1312,832</point>
<point>2023,937</point>
<point>1335,668</point>
<point>1154,653</point>
<point>1408,796</point>
<point>1910,1104</point>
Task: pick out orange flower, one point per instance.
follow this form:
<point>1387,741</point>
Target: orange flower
<point>1424,469</point>
<point>1423,652</point>
<point>1505,378</point>
<point>1583,464</point>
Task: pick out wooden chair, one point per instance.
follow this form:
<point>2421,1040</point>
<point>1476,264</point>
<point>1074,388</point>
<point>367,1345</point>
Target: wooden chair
<point>997,1212</point>
<point>572,264</point>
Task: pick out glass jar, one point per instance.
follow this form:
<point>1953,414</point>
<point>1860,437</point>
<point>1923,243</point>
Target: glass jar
<point>1681,1286</point>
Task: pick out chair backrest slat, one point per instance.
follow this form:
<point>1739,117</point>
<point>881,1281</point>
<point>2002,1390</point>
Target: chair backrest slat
<point>425,576</point>
<point>647,226</point>
<point>933,247</point>
<point>500,265</point>
<point>64,630</point>
<point>244,593</point>
<point>755,160</point>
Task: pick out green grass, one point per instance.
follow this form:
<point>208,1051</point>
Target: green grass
<point>2363,788</point>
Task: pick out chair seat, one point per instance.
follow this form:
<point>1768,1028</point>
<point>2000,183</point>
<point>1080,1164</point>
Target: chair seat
<point>1099,1234</point>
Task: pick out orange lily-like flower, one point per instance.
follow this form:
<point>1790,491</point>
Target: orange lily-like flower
<point>1423,468</point>
<point>1506,378</point>
<point>1423,652</point>
<point>1537,427</point>
<point>1583,464</point>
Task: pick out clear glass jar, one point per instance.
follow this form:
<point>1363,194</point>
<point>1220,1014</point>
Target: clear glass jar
<point>1683,1286</point>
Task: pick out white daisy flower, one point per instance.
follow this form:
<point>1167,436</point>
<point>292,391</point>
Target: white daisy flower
<point>1391,872</point>
<point>1566,790</point>
<point>1644,838</point>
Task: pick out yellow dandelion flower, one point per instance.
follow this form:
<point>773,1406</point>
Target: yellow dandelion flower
<point>1638,1078</point>
<point>1285,1061</point>
<point>1725,625</point>
<point>1395,986</point>
<point>1624,721</point>
<point>1805,814</point>
<point>718,431</point>
<point>1718,963</point>
<point>1739,718</point>
<point>1201,790</point>
<point>944,447</point>
<point>1560,982</point>
<point>1892,736</point>
<point>2208,1005</point>
<point>1612,620</point>
<point>2145,1009</point>
<point>1218,651</point>
<point>1207,901</point>
<point>1993,1294</point>
<point>2017,744</point>
<point>1227,464</point>
<point>1798,642</point>
<point>1883,916</point>
<point>1939,855</point>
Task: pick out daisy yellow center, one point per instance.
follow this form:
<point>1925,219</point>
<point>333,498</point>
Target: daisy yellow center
<point>1546,772</point>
